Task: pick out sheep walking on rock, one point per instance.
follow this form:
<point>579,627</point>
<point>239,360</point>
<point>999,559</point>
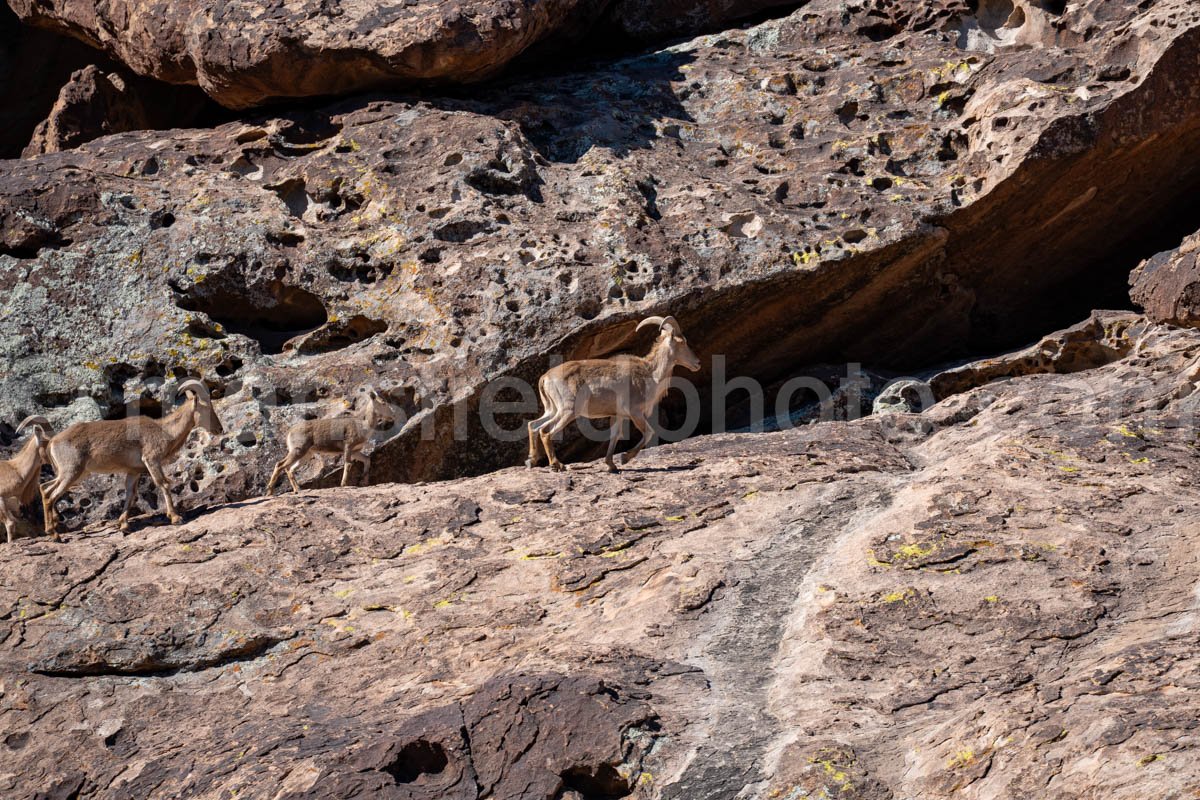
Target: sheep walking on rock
<point>19,475</point>
<point>619,388</point>
<point>130,447</point>
<point>347,435</point>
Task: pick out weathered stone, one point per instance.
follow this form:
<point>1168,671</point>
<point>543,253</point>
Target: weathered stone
<point>33,66</point>
<point>1101,339</point>
<point>903,397</point>
<point>243,55</point>
<point>435,247</point>
<point>96,102</point>
<point>1006,600</point>
<point>1167,285</point>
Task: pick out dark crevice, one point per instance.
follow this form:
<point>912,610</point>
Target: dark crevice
<point>601,782</point>
<point>337,335</point>
<point>154,667</point>
<point>598,40</point>
<point>416,761</point>
<point>293,312</point>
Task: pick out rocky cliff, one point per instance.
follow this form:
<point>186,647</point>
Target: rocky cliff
<point>990,598</point>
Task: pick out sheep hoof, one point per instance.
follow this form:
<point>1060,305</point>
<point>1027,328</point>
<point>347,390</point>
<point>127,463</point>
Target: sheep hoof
<point>176,519</point>
<point>529,463</point>
<point>613,468</point>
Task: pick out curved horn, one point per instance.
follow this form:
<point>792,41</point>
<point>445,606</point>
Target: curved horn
<point>35,420</point>
<point>650,321</point>
<point>670,322</point>
<point>193,385</point>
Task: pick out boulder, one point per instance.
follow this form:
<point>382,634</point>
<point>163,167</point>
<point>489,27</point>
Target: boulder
<point>1005,598</point>
<point>1167,285</point>
<point>243,55</point>
<point>34,65</point>
<point>798,192</point>
<point>96,102</point>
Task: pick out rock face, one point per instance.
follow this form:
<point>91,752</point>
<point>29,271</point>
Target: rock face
<point>33,66</point>
<point>1167,285</point>
<point>991,599</point>
<point>95,102</point>
<point>985,590</point>
<point>243,55</point>
<point>813,189</point>
<point>1101,339</point>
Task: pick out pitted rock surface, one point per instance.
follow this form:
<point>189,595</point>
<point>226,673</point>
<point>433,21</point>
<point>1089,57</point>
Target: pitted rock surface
<point>244,54</point>
<point>993,598</point>
<point>797,192</point>
<point>1167,285</point>
<point>96,101</point>
<point>33,67</point>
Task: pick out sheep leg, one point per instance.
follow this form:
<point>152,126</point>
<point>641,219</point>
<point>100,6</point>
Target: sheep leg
<point>51,519</point>
<point>537,425</point>
<point>614,435</point>
<point>643,425</point>
<point>280,465</point>
<point>284,466</point>
<point>535,429</point>
<point>347,460</point>
<point>549,431</point>
<point>6,516</point>
<point>160,480</point>
<point>291,476</point>
<point>131,482</point>
<point>365,460</point>
<point>535,444</point>
<point>52,491</point>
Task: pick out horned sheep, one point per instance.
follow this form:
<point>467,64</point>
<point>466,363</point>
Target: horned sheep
<point>623,387</point>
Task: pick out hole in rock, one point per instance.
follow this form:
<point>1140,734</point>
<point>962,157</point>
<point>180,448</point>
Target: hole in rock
<point>879,31</point>
<point>358,270</point>
<point>337,335</point>
<point>137,407</point>
<point>599,783</point>
<point>294,312</point>
<point>1055,7</point>
<point>293,194</point>
<point>416,760</point>
<point>310,130</point>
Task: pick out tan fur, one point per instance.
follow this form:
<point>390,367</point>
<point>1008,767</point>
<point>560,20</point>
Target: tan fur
<point>19,475</point>
<point>347,435</point>
<point>130,447</point>
<point>620,388</point>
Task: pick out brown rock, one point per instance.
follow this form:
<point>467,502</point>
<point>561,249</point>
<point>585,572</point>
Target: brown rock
<point>242,56</point>
<point>989,606</point>
<point>1167,285</point>
<point>1104,337</point>
<point>435,247</point>
<point>97,102</point>
<point>33,66</point>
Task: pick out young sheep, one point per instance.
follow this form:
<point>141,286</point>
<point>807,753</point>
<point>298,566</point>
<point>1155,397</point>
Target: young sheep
<point>619,388</point>
<point>347,435</point>
<point>19,475</point>
<point>128,447</point>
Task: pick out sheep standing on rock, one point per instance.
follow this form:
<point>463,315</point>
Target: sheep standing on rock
<point>619,388</point>
<point>19,475</point>
<point>347,435</point>
<point>128,447</point>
